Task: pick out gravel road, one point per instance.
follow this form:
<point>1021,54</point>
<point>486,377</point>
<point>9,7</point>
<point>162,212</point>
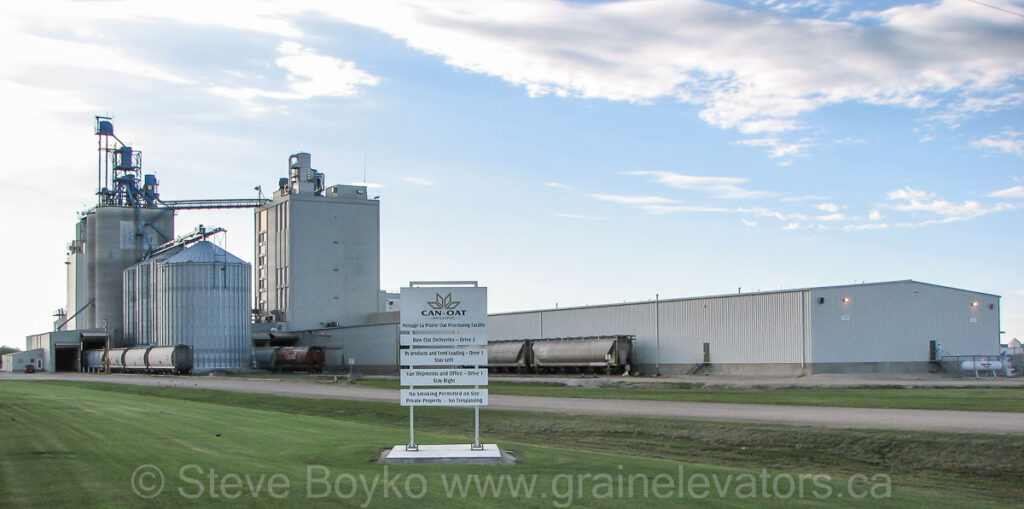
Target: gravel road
<point>833,417</point>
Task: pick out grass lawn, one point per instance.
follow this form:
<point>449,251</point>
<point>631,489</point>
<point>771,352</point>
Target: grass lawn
<point>986,399</point>
<point>79,444</point>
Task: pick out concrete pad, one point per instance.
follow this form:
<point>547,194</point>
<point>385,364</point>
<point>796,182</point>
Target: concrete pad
<point>448,453</point>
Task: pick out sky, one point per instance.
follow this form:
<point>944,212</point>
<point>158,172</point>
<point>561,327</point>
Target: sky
<point>559,152</point>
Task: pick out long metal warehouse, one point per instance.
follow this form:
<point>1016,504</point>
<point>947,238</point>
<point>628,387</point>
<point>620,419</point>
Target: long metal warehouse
<point>886,327</point>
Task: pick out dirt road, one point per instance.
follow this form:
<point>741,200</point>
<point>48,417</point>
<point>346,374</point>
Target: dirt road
<point>833,417</point>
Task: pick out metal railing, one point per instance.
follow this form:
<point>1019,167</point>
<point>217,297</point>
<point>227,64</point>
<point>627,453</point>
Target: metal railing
<point>245,203</point>
<point>992,366</point>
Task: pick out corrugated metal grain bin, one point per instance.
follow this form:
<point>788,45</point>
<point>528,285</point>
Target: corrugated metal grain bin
<point>132,306</point>
<point>204,302</point>
<point>140,300</point>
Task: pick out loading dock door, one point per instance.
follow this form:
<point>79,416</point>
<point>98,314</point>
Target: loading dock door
<point>65,358</point>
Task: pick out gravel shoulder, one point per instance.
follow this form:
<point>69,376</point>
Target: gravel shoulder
<point>832,417</point>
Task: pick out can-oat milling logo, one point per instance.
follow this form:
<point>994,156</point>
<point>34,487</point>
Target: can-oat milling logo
<point>443,306</point>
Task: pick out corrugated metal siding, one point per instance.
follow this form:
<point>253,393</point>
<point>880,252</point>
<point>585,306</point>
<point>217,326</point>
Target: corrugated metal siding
<point>894,322</point>
<point>630,319</point>
<point>372,346</point>
<point>808,331</point>
<point>206,306</point>
<point>758,328</point>
<point>140,300</point>
<point>513,326</point>
<point>132,320</point>
<point>755,328</point>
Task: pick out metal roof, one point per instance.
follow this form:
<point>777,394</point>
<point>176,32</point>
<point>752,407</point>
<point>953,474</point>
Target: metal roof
<point>730,295</point>
<point>204,252</point>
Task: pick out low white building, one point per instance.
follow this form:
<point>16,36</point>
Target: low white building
<point>884,327</point>
<point>16,361</point>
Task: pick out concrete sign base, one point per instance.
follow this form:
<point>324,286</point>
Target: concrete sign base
<point>451,453</point>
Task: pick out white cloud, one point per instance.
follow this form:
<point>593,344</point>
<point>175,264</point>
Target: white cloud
<point>866,226</point>
<point>266,17</point>
<point>827,207</point>
<point>418,181</point>
<point>748,222</point>
<point>831,217</point>
<point>633,200</point>
<point>806,197</point>
<point>558,185</point>
<point>704,53</point>
<point>915,200</point>
<point>876,215</point>
<point>309,75</point>
<point>769,125</point>
<point>661,205</point>
<point>750,69</point>
<point>926,138</point>
<point>1010,192</point>
<point>908,193</point>
<point>755,211</point>
<point>719,187</point>
<point>577,216</point>
<point>1009,141</point>
<point>987,104</point>
<point>26,51</point>
<point>669,209</point>
<point>792,226</point>
<point>776,147</point>
<point>49,121</point>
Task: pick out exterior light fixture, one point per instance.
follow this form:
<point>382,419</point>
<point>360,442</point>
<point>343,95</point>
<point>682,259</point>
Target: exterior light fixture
<point>846,300</point>
<point>974,304</point>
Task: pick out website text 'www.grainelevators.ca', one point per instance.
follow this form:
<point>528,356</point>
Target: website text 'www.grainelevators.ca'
<point>319,482</point>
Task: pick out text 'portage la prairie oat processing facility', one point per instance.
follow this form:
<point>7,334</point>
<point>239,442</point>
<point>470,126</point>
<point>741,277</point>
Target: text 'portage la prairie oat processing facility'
<point>140,299</point>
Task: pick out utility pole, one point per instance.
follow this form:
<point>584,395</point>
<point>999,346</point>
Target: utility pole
<point>106,349</point>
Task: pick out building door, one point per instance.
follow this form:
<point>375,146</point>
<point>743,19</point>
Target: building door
<point>65,358</point>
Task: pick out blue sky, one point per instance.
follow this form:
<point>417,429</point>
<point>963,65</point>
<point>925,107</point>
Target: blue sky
<point>558,152</point>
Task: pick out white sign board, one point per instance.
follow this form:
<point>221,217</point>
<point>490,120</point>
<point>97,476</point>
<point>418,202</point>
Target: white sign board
<point>444,397</point>
<point>448,310</point>
<point>469,356</point>
<point>444,376</point>
<point>456,338</point>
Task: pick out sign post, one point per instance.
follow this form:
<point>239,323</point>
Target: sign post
<point>443,340</point>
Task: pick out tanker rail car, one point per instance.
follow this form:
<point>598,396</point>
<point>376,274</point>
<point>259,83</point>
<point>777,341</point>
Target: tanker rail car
<point>611,354</point>
<point>144,359</point>
<point>290,358</point>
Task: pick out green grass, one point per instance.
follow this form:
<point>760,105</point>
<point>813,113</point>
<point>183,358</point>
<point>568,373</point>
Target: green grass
<point>77,444</point>
<point>987,399</point>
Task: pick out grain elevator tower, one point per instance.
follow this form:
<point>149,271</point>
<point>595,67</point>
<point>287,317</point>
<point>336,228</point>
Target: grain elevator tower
<point>317,252</point>
<point>125,224</point>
